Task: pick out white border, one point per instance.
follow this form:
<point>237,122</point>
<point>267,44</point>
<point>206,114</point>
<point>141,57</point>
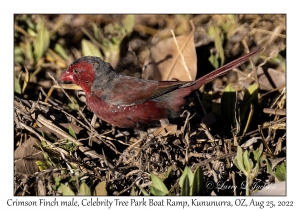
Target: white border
<point>153,6</point>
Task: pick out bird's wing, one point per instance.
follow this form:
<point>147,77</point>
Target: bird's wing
<point>164,87</point>
<point>130,91</point>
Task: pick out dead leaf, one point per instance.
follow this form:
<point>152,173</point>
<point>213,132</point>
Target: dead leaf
<point>25,157</point>
<point>165,62</point>
<point>276,161</point>
<point>100,189</point>
<point>250,142</point>
<point>170,129</point>
<point>270,78</point>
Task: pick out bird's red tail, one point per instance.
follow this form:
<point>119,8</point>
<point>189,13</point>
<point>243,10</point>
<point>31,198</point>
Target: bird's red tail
<point>224,69</point>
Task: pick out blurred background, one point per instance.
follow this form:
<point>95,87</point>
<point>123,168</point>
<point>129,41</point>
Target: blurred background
<point>49,43</point>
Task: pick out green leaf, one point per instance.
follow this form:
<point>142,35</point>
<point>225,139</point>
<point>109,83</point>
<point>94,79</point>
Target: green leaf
<point>60,51</point>
<point>231,16</point>
<point>251,163</point>
<point>66,190</point>
<point>246,160</point>
<point>187,172</point>
<point>198,181</point>
<point>157,192</point>
<point>29,51</point>
<point>238,160</point>
<point>280,172</point>
<point>26,80</point>
<point>185,189</point>
<point>143,191</point>
<point>41,165</point>
<point>84,189</point>
<point>250,97</point>
<point>31,32</point>
<point>30,23</point>
<point>42,41</point>
<point>257,153</point>
<point>213,59</point>
<point>18,54</point>
<point>256,158</point>
<point>133,192</point>
<point>269,167</point>
<point>17,88</point>
<point>88,48</point>
<point>71,131</point>
<point>129,23</point>
<point>75,105</point>
<point>255,170</point>
<point>228,24</point>
<point>215,33</point>
<point>48,159</point>
<point>228,104</point>
<point>167,177</point>
<point>158,187</point>
<point>57,180</point>
<point>97,32</point>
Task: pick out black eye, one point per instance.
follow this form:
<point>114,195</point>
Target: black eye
<point>75,71</point>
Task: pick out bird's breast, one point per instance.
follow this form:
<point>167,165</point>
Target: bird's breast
<point>134,116</point>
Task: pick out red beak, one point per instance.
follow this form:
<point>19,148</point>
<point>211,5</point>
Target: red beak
<point>66,76</point>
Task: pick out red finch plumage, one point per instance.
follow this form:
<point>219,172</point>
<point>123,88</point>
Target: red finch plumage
<point>130,102</point>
